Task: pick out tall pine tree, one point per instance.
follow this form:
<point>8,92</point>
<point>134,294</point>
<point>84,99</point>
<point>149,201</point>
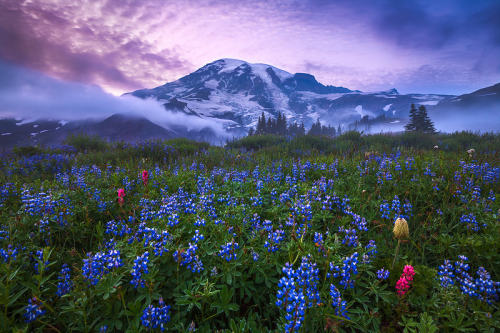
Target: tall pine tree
<point>427,124</point>
<point>420,121</point>
<point>411,126</point>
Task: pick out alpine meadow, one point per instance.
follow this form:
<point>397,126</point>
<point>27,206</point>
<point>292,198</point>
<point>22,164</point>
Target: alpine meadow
<point>248,166</point>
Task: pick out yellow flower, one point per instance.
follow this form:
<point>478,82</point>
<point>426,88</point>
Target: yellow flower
<point>401,230</point>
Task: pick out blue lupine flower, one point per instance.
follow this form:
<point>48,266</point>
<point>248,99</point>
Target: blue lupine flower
<point>318,241</point>
<point>446,274</point>
<point>173,220</point>
<point>487,290</point>
<point>382,274</point>
<point>228,251</point>
<point>347,271</point>
<point>156,317</point>
<point>350,238</point>
<point>199,222</point>
<point>274,239</point>
<point>140,267</point>
<point>33,310</point>
<point>395,210</point>
<point>189,258</point>
<point>358,221</point>
<point>4,233</point>
<point>197,236</point>
<point>9,254</point>
<point>396,205</point>
<point>482,288</point>
<point>96,266</point>
<point>298,290</point>
<point>39,260</point>
<point>65,284</point>
<point>371,251</point>
<point>471,222</point>
<point>491,197</point>
<point>385,209</point>
<point>337,302</point>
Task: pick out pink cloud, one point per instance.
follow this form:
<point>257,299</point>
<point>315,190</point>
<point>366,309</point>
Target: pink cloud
<point>126,45</point>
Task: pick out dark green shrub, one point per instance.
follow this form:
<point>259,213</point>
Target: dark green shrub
<point>87,143</point>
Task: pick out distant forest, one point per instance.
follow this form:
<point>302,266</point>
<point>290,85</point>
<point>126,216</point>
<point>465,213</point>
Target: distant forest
<point>419,122</point>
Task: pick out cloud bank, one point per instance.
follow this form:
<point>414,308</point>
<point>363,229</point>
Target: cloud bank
<point>28,94</point>
<point>448,46</point>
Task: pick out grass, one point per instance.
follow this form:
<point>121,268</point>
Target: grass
<point>310,202</point>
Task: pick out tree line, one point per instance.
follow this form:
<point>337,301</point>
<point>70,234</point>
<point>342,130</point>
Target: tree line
<point>280,126</point>
<point>419,122</point>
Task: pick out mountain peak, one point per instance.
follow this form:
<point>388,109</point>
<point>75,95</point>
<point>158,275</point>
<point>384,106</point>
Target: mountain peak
<point>236,92</point>
<point>392,91</point>
<point>305,77</point>
<point>307,82</point>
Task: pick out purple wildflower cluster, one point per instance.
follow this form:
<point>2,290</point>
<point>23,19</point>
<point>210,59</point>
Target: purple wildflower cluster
<point>156,317</point>
<point>482,287</point>
<point>298,290</point>
<point>96,266</point>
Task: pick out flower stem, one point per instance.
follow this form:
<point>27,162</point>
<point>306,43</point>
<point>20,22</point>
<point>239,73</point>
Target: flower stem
<point>396,254</point>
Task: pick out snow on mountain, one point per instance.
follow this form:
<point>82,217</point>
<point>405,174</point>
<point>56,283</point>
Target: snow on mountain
<point>239,92</point>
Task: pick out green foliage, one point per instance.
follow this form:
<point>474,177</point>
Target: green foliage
<point>86,143</point>
<point>353,141</point>
<point>27,150</point>
<point>240,295</point>
<point>420,121</point>
<point>256,142</point>
<point>425,325</point>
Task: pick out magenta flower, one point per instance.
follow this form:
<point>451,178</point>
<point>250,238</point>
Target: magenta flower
<point>121,195</point>
<point>404,282</point>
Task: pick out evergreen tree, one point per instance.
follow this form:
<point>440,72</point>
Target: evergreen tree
<point>315,128</point>
<point>328,131</point>
<point>302,129</point>
<point>269,126</point>
<point>427,124</point>
<point>260,127</point>
<point>412,124</point>
<point>261,124</point>
<point>277,124</point>
<point>281,124</point>
<point>420,121</point>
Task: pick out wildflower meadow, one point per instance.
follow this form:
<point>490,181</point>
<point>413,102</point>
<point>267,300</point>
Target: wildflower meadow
<point>356,233</point>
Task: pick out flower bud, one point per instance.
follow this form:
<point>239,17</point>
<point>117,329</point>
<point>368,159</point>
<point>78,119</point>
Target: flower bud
<point>401,230</point>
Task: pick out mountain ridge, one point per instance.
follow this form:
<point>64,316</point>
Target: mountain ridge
<point>239,91</point>
<point>233,94</point>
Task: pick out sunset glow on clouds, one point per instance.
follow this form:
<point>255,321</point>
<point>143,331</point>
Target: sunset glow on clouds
<point>418,46</point>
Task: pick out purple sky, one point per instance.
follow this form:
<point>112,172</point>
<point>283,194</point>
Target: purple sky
<point>121,45</point>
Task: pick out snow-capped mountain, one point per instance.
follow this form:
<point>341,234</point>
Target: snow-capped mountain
<point>239,92</point>
<point>224,99</point>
